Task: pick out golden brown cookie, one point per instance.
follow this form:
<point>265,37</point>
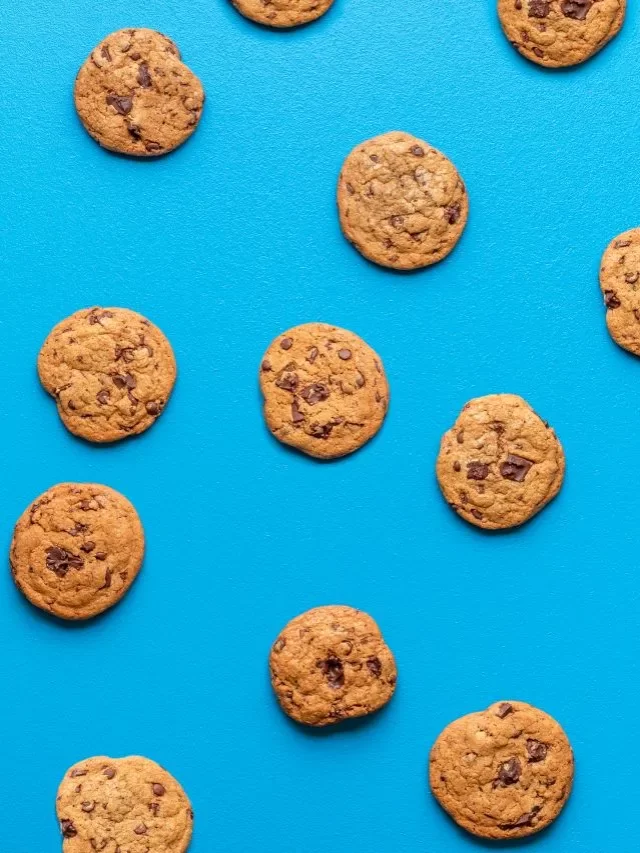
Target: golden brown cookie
<point>123,805</point>
<point>500,463</point>
<point>134,95</point>
<point>557,33</point>
<point>77,549</point>
<point>620,284</point>
<point>282,13</point>
<point>502,773</point>
<point>325,391</point>
<point>110,371</point>
<point>331,663</point>
<point>402,203</point>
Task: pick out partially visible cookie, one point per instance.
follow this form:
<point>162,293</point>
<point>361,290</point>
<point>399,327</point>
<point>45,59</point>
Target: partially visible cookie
<point>502,773</point>
<point>282,13</point>
<point>110,371</point>
<point>325,391</point>
<point>558,33</point>
<point>331,663</point>
<point>135,96</point>
<point>500,463</point>
<point>620,285</point>
<point>401,202</point>
<point>123,805</point>
<point>77,549</point>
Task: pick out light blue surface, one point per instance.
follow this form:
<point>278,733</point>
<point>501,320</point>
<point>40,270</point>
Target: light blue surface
<point>226,243</point>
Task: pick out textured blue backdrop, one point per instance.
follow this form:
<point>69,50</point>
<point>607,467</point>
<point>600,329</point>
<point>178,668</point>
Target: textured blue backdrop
<point>224,244</point>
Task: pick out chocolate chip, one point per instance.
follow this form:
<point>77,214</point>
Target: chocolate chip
<point>152,408</point>
<point>509,772</point>
<point>88,547</point>
<point>515,468</point>
<point>539,8</point>
<point>106,53</point>
<point>144,78</point>
<point>452,213</point>
<point>477,514</point>
<point>107,579</point>
<point>538,52</point>
<point>122,104</point>
<point>109,772</point>
<point>631,277</point>
<point>95,316</point>
<point>124,380</point>
<point>374,158</point>
<point>133,130</point>
<point>286,343</point>
<point>622,244</point>
<point>77,772</point>
<point>518,5</point>
<point>477,471</point>
<point>150,145</point>
<point>67,828</point>
<point>417,150</point>
<point>88,807</point>
<point>360,380</point>
<point>315,393</point>
<point>332,670</point>
<point>296,415</point>
<point>576,9</point>
<point>536,750</point>
<point>374,666</point>
<point>101,556</point>
<point>158,789</point>
<point>125,353</point>
<point>279,645</point>
<point>140,829</point>
<point>456,466</point>
<point>504,709</point>
<point>103,397</point>
<point>60,561</point>
<point>344,354</point>
<point>523,820</point>
<point>611,299</point>
<point>460,437</point>
<point>154,808</point>
<point>321,430</point>
<point>312,355</point>
<point>266,365</point>
<point>288,382</point>
<point>350,189</point>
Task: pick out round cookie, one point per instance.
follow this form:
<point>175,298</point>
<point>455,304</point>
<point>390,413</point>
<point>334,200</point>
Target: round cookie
<point>500,463</point>
<point>325,391</point>
<point>110,371</point>
<point>135,96</point>
<point>502,773</point>
<point>282,13</point>
<point>620,285</point>
<point>330,664</point>
<point>559,33</point>
<point>131,805</point>
<point>77,549</point>
<point>401,202</point>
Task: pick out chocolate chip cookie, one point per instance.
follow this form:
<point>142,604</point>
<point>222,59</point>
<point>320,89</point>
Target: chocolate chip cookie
<point>401,202</point>
<point>110,371</point>
<point>558,33</point>
<point>135,96</point>
<point>325,391</point>
<point>500,463</point>
<point>282,13</point>
<point>123,805</point>
<point>77,549</point>
<point>330,664</point>
<point>502,773</point>
<point>620,284</point>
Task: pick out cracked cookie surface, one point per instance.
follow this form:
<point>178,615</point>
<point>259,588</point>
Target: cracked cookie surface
<point>325,391</point>
<point>500,463</point>
<point>620,285</point>
<point>330,664</point>
<point>135,96</point>
<point>77,549</point>
<point>559,33</point>
<point>123,805</point>
<point>502,773</point>
<point>110,371</point>
<point>282,13</point>
<point>402,203</point>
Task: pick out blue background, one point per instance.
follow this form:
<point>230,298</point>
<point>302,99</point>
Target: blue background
<point>226,243</point>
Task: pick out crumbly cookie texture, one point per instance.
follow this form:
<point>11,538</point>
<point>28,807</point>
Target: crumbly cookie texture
<point>325,391</point>
<point>135,96</point>
<point>401,202</point>
<point>123,805</point>
<point>77,549</point>
<point>502,773</point>
<point>110,371</point>
<point>558,33</point>
<point>620,285</point>
<point>331,663</point>
<point>500,463</point>
<point>282,13</point>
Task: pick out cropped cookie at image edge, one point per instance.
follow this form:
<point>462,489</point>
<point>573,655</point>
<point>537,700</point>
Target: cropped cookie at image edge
<point>560,33</point>
<point>402,203</point>
<point>502,773</point>
<point>331,664</point>
<point>325,391</point>
<point>500,463</point>
<point>77,549</point>
<point>282,13</point>
<point>620,285</point>
<point>131,805</point>
<point>110,371</point>
<point>135,96</point>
